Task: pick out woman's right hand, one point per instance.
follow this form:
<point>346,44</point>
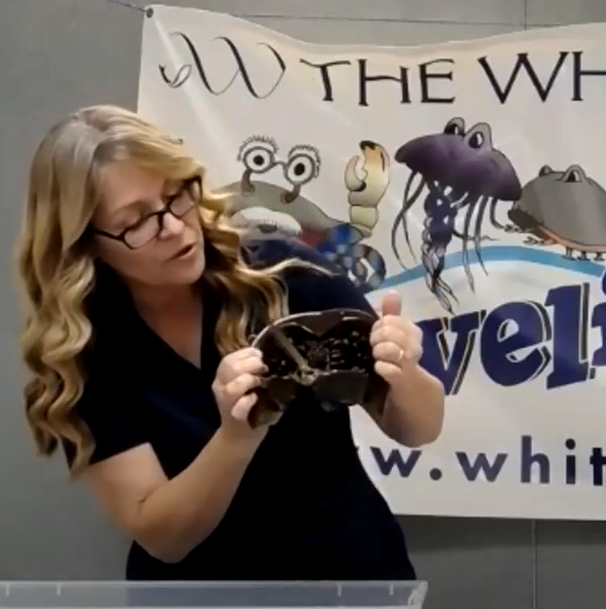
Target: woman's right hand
<point>238,374</point>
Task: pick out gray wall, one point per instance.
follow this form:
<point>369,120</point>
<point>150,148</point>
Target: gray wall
<point>61,54</point>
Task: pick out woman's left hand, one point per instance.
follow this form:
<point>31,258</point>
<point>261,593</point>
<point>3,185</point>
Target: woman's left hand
<point>395,340</point>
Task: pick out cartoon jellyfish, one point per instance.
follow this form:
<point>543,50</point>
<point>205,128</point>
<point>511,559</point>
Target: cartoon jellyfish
<point>458,171</point>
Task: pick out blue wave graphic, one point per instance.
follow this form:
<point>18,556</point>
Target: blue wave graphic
<point>502,253</point>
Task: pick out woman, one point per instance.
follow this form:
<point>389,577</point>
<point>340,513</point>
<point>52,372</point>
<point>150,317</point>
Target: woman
<point>141,301</point>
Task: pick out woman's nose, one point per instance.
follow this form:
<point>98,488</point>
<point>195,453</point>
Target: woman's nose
<point>171,226</point>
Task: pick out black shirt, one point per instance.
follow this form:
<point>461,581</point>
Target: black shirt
<point>305,509</point>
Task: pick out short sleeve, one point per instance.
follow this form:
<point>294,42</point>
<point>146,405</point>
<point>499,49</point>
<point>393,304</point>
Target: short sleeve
<point>310,290</point>
<point>112,414</point>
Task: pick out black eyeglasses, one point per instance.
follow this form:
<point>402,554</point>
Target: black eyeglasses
<point>149,226</point>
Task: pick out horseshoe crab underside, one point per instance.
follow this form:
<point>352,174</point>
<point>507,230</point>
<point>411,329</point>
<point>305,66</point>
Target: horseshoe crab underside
<point>325,356</point>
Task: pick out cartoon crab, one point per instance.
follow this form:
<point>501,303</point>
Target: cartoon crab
<point>565,208</point>
<point>269,207</point>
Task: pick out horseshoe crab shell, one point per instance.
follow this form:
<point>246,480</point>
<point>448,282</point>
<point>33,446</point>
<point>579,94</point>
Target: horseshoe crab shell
<point>327,353</point>
<point>567,207</point>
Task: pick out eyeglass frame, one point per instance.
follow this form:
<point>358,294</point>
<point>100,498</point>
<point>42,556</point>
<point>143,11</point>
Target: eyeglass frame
<point>166,209</point>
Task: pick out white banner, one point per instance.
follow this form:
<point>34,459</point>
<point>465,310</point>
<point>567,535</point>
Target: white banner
<point>470,177</point>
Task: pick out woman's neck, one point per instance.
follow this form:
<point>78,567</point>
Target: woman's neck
<point>167,301</point>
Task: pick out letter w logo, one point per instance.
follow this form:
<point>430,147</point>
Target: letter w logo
<point>185,71</point>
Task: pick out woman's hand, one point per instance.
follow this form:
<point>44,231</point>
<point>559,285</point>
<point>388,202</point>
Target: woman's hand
<point>396,341</point>
<point>414,410</point>
<point>238,374</point>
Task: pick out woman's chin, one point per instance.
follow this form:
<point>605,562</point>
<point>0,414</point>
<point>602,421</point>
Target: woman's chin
<point>188,269</point>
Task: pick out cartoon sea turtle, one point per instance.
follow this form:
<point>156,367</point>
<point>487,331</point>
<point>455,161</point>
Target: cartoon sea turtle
<point>456,169</point>
<point>270,207</point>
<point>565,208</point>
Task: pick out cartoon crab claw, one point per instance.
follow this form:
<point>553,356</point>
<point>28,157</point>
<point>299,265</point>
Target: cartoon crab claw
<point>354,181</point>
<point>367,179</point>
<point>539,242</point>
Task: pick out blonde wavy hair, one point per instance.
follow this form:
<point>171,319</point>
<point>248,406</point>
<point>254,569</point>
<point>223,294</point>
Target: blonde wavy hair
<point>57,271</point>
